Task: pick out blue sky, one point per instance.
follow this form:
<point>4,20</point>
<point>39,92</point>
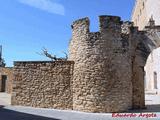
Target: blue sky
<point>26,26</point>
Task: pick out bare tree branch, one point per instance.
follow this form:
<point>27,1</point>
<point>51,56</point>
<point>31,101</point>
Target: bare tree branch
<point>53,58</point>
<point>66,55</point>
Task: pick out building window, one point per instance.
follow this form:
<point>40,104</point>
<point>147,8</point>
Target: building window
<point>143,5</point>
<point>155,80</point>
<point>145,82</point>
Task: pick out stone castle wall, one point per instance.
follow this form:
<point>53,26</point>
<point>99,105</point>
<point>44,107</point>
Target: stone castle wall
<point>43,84</point>
<point>102,71</point>
<point>8,72</point>
<point>109,65</point>
<point>107,74</point>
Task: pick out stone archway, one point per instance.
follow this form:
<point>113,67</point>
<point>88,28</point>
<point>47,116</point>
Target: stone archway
<point>147,41</point>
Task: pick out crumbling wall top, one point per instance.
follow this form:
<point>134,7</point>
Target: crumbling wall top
<point>81,24</point>
<point>106,22</point>
<point>148,28</point>
<point>80,21</point>
<point>42,62</point>
<point>109,23</point>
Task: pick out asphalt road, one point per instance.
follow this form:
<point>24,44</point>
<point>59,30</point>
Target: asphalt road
<point>6,114</point>
<point>28,113</point>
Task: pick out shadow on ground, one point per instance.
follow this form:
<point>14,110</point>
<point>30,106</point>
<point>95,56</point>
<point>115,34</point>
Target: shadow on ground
<point>149,108</point>
<point>153,108</point>
<point>6,114</point>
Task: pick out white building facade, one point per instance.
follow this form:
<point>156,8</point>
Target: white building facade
<point>144,10</point>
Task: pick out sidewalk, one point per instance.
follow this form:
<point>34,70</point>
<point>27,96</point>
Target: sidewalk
<point>8,112</point>
<point>5,99</point>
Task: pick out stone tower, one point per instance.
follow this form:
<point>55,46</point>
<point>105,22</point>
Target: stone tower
<point>144,10</point>
<point>109,65</point>
<point>97,84</point>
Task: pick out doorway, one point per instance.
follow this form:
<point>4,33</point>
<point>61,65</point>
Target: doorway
<point>3,84</point>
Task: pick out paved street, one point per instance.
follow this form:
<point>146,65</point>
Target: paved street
<point>152,99</point>
<point>5,99</point>
<point>27,113</point>
<point>8,112</point>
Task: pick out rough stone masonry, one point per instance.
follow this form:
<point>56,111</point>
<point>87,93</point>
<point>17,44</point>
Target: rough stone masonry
<point>43,84</point>
<point>106,73</point>
<point>6,72</point>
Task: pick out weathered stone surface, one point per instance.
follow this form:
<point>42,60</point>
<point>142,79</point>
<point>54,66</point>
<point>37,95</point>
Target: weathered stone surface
<point>100,80</point>
<point>43,84</point>
<point>109,65</point>
<point>8,72</point>
<point>107,74</point>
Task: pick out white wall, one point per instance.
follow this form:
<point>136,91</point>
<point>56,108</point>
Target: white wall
<point>153,65</point>
<point>153,8</point>
<point>141,14</point>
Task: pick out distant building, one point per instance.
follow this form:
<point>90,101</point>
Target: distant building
<point>144,10</point>
<point>6,75</point>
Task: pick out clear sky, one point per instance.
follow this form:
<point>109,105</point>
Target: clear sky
<point>26,26</point>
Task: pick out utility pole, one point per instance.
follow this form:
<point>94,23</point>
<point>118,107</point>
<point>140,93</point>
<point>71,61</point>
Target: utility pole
<point>2,64</point>
<point>0,52</point>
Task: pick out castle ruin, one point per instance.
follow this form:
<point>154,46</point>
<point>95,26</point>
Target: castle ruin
<point>104,73</point>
